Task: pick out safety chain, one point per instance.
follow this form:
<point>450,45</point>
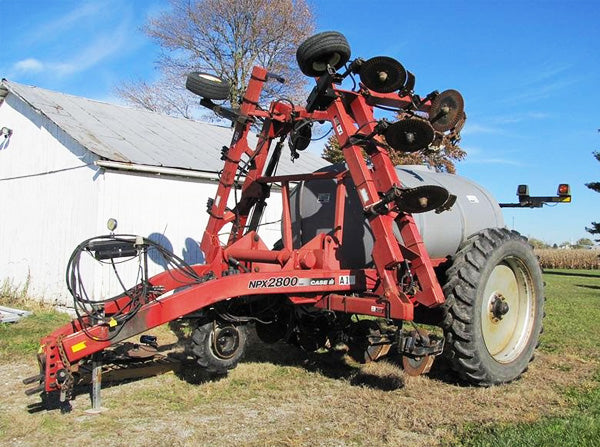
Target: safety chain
<point>66,387</point>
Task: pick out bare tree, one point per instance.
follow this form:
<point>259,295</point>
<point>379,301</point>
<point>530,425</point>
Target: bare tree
<point>166,95</point>
<point>226,38</point>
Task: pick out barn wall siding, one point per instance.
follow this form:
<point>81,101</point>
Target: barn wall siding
<point>43,216</point>
<point>170,211</point>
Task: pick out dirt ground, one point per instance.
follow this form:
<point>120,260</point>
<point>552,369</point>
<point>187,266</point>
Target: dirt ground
<point>278,397</point>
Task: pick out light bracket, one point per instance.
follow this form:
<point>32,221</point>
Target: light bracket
<point>563,195</point>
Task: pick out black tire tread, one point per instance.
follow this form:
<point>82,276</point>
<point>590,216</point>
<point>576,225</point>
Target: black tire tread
<point>318,45</point>
<point>206,88</point>
<point>201,348</point>
<point>460,292</point>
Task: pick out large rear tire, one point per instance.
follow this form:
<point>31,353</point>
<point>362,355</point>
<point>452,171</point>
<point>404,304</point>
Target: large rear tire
<point>219,346</point>
<point>494,307</point>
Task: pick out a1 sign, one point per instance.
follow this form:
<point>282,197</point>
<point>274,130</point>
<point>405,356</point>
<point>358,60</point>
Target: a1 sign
<point>347,280</point>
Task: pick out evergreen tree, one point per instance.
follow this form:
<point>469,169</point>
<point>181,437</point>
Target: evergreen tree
<point>595,186</point>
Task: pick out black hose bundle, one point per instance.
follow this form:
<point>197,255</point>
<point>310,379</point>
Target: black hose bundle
<point>104,250</point>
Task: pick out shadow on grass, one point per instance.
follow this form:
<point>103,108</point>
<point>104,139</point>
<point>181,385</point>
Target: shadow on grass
<point>587,286</point>
<point>330,363</point>
<point>117,372</point>
<point>582,275</point>
<point>336,365</point>
<point>443,372</point>
<point>384,376</point>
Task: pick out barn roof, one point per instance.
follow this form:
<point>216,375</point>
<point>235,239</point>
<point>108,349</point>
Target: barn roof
<point>137,136</point>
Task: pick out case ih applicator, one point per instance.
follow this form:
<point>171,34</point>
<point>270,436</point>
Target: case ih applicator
<point>350,244</point>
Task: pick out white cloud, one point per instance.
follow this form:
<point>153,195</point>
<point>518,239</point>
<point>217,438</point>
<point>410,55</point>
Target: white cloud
<point>474,128</point>
<point>520,117</point>
<point>492,161</point>
<point>542,91</point>
<point>104,46</point>
<point>29,65</point>
<point>542,74</point>
<point>542,82</point>
<point>472,150</point>
<point>498,124</point>
<point>95,52</point>
<point>538,115</point>
<point>57,27</point>
<point>477,156</point>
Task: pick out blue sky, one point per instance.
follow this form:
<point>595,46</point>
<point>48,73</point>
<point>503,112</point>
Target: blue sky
<point>529,72</point>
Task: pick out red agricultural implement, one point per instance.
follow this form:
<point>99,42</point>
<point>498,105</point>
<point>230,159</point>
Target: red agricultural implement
<point>485,291</point>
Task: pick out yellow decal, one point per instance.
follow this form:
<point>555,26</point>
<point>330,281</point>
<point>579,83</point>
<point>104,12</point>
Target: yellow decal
<point>112,322</point>
<point>41,350</point>
<point>78,347</point>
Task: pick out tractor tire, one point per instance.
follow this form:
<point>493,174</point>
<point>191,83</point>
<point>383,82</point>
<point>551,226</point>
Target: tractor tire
<point>207,86</point>
<point>319,51</point>
<point>219,346</point>
<point>492,317</point>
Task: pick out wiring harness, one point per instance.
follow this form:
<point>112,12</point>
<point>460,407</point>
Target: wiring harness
<point>114,250</point>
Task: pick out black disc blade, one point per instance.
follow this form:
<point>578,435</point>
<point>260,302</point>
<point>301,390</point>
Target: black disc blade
<point>422,199</point>
<point>446,110</point>
<point>382,74</point>
<point>409,135</point>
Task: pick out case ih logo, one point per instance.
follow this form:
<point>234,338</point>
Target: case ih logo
<point>322,282</point>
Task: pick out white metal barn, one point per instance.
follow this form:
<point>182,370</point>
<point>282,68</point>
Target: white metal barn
<point>67,164</point>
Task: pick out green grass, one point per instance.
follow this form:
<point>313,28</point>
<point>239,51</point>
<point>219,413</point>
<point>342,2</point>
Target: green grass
<point>572,312</point>
<point>21,339</point>
<point>572,328</point>
<point>579,428</point>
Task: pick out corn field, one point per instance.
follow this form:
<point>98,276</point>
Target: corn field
<point>568,259</point>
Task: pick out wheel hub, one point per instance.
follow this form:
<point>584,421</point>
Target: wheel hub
<point>506,314</point>
<point>226,342</point>
<point>330,59</point>
<point>499,307</point>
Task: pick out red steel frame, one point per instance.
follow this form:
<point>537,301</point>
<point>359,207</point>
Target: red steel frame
<point>310,274</point>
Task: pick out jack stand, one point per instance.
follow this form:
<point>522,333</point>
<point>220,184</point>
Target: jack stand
<point>65,407</point>
<point>96,385</point>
